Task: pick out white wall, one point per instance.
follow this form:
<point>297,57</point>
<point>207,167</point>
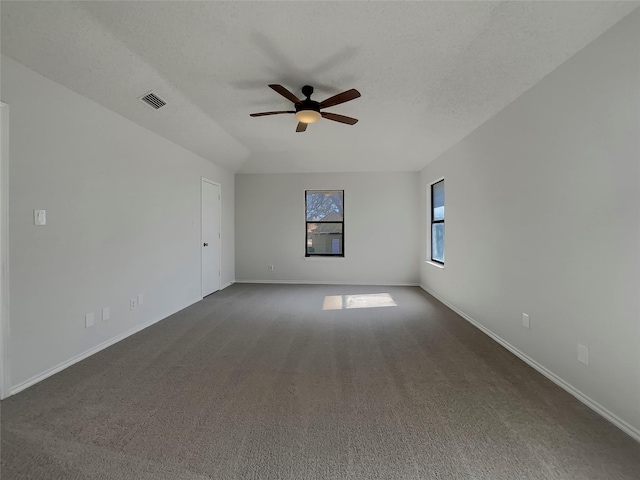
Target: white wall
<point>123,217</point>
<point>543,217</point>
<point>380,231</point>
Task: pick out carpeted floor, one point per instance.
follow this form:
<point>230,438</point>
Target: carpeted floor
<point>259,382</point>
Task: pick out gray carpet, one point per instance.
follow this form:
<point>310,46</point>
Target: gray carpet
<point>259,382</point>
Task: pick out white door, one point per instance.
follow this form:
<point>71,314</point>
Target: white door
<point>5,382</point>
<point>211,237</point>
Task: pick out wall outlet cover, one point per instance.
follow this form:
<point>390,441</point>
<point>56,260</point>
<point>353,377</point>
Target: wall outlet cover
<point>525,320</point>
<point>583,354</point>
<point>89,320</point>
<point>133,303</point>
<point>106,314</point>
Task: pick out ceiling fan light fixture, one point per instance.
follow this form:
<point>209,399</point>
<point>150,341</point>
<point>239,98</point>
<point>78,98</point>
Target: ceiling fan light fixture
<point>308,111</point>
<point>308,116</point>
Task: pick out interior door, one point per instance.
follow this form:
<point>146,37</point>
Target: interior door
<point>211,237</point>
<point>5,381</point>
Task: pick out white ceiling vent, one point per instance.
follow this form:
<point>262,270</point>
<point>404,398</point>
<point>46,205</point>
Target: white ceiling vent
<point>153,100</point>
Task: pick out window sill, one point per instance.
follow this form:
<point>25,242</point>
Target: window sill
<point>323,259</point>
<point>437,265</point>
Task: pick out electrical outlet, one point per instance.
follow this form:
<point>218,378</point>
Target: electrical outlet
<point>106,314</point>
<point>89,320</point>
<point>133,304</point>
<point>525,320</point>
<point>271,268</point>
<point>583,354</point>
<point>140,300</point>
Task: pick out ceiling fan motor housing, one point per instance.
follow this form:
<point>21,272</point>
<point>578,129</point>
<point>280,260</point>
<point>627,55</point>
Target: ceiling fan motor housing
<point>307,103</point>
<point>305,108</point>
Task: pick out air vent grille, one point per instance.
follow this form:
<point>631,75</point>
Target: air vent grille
<point>153,100</point>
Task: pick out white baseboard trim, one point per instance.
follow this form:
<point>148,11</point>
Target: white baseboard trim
<point>67,363</point>
<point>592,404</point>
<point>324,282</point>
<point>228,284</point>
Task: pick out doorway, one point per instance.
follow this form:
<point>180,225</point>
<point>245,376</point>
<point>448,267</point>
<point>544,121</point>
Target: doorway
<point>211,241</point>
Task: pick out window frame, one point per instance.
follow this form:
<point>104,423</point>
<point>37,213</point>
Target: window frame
<point>307,222</point>
<point>434,221</point>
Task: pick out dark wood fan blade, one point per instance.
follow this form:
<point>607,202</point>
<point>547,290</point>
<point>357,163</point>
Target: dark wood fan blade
<point>339,118</point>
<point>301,127</point>
<point>285,93</point>
<point>340,98</point>
<point>270,113</point>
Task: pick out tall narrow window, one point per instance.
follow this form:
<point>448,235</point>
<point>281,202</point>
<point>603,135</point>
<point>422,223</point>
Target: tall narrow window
<point>437,222</point>
<point>324,223</point>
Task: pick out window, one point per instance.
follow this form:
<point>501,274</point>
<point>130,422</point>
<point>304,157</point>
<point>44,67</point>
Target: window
<point>437,222</point>
<point>324,210</point>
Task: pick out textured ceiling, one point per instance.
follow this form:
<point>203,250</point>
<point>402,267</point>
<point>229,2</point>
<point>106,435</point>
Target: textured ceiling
<point>429,72</point>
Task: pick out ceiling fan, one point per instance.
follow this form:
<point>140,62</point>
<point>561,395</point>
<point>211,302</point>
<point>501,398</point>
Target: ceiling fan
<point>308,111</point>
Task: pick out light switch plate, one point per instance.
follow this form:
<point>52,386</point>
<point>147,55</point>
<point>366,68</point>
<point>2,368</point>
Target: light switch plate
<point>525,320</point>
<point>140,300</point>
<point>89,320</point>
<point>40,217</point>
<point>106,314</point>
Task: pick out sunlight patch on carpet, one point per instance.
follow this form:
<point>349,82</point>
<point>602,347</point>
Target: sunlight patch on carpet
<point>368,300</point>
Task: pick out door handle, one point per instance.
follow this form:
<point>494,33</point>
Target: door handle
<point>206,245</point>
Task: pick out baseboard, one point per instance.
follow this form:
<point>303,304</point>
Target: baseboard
<point>592,404</point>
<point>228,284</point>
<point>61,366</point>
<point>325,282</point>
